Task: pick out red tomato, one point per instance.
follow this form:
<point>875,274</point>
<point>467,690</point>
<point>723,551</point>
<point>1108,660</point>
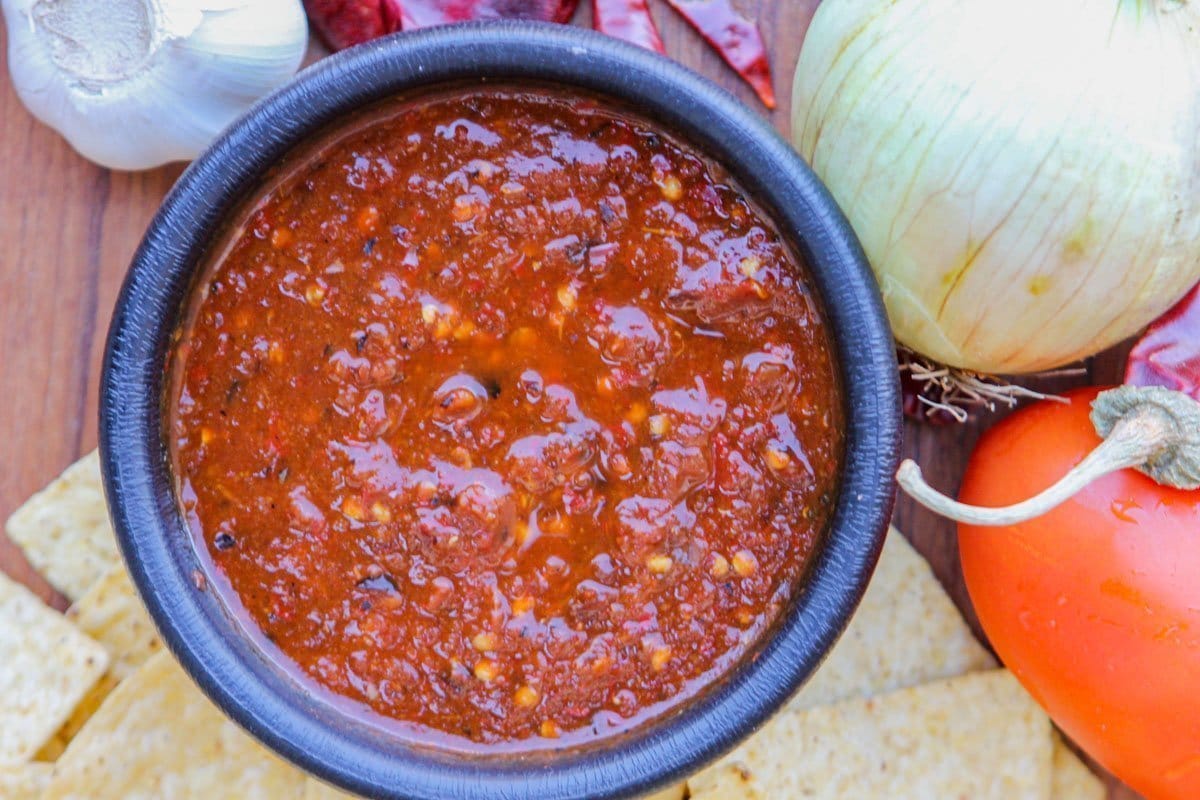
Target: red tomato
<point>1095,606</point>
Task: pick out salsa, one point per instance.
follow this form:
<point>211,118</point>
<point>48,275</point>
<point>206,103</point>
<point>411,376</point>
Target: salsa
<point>507,415</point>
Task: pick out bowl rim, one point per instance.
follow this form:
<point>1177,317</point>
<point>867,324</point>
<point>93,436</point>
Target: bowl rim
<point>158,550</point>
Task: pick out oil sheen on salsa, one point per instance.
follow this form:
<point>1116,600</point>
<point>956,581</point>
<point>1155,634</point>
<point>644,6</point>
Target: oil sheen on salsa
<point>506,415</point>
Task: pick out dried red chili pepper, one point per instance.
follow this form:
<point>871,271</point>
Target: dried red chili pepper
<point>736,38</point>
<point>425,13</point>
<point>629,20</point>
<point>1168,354</point>
<point>343,23</point>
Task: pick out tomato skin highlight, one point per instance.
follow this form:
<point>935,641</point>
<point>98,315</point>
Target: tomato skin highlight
<point>1094,606</point>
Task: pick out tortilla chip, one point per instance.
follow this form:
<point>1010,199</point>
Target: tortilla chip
<point>47,667</point>
<point>906,632</point>
<point>1072,779</point>
<point>978,736</point>
<point>84,711</point>
<point>52,749</point>
<point>112,613</point>
<point>25,782</point>
<point>157,736</point>
<point>64,529</point>
<point>316,790</point>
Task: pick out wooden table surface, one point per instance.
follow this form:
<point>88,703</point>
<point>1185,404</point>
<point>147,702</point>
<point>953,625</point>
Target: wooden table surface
<point>69,228</point>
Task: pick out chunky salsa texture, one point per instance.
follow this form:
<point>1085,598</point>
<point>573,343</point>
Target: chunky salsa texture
<point>508,416</point>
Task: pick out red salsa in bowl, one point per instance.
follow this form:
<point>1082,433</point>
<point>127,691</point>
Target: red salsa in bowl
<point>508,416</point>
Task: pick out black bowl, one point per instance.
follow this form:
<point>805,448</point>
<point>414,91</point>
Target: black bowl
<point>159,549</point>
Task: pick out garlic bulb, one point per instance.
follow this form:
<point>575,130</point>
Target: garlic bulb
<point>133,84</point>
<point>1024,174</point>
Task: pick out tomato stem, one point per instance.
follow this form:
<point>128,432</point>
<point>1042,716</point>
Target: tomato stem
<point>1152,429</point>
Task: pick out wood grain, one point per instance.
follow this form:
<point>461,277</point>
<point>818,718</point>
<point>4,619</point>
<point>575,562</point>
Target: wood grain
<point>69,228</point>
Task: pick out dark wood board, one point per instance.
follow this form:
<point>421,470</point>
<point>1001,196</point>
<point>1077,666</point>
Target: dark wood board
<point>69,228</point>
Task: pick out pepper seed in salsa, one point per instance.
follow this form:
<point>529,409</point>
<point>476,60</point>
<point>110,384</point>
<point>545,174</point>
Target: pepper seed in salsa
<point>507,415</point>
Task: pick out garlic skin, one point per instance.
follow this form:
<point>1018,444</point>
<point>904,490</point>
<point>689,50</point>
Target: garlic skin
<point>1024,175</point>
<point>134,84</point>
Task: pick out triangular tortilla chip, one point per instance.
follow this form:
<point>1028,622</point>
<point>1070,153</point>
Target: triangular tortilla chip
<point>54,747</point>
<point>1072,778</point>
<point>979,736</point>
<point>88,706</point>
<point>46,668</point>
<point>157,736</point>
<point>112,613</point>
<point>64,529</point>
<point>906,632</point>
<point>25,782</point>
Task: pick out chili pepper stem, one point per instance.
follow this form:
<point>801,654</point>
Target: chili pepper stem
<point>1152,429</point>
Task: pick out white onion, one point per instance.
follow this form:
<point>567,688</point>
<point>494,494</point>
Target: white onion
<point>1024,174</point>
